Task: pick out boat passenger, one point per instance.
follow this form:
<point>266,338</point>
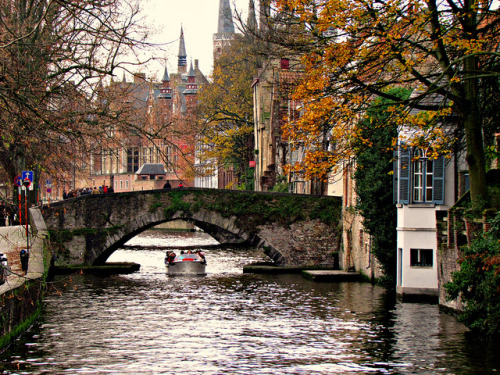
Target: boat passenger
<point>169,257</point>
<point>201,255</point>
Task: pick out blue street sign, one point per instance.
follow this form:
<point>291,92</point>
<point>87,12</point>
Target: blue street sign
<point>27,175</point>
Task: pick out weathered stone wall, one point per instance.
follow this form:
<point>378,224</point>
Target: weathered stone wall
<point>21,296</point>
<point>293,229</point>
<point>18,309</point>
<point>356,253</point>
<point>304,243</point>
<point>450,228</point>
<point>455,230</point>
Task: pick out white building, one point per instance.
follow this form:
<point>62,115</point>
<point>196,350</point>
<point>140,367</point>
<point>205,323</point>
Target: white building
<point>423,186</point>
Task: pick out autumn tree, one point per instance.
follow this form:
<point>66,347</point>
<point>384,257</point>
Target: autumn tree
<point>226,107</point>
<point>373,178</point>
<point>446,52</point>
<point>53,55</point>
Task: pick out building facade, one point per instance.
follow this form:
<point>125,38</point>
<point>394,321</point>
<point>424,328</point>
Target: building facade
<point>424,188</point>
<point>162,148</point>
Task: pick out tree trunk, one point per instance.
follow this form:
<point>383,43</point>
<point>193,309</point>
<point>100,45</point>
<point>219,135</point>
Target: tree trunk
<point>474,137</point>
<point>476,159</point>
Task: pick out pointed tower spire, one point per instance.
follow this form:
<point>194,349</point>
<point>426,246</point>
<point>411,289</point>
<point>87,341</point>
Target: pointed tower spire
<point>191,91</point>
<point>225,18</point>
<point>182,62</point>
<point>252,19</point>
<point>191,71</point>
<point>165,89</point>
<point>165,78</point>
<point>225,29</point>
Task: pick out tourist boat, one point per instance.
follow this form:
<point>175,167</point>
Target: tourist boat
<point>186,264</point>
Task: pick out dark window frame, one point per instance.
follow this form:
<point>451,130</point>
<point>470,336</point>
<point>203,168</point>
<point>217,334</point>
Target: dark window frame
<point>421,258</point>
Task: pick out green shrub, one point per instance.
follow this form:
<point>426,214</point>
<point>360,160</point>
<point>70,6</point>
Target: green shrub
<point>478,283</point>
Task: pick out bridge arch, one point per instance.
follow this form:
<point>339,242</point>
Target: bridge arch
<point>210,222</point>
<point>293,230</point>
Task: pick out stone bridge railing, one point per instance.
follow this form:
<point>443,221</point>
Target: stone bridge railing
<point>293,230</point>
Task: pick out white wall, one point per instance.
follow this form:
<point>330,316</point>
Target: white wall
<point>416,229</point>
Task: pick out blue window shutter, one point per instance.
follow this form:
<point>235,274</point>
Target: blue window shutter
<point>404,175</point>
<point>438,181</point>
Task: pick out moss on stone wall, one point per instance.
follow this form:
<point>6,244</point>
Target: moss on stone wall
<point>88,221</point>
<point>19,308</point>
<point>63,236</point>
<point>252,209</point>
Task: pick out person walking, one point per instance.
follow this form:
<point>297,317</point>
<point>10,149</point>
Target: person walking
<point>25,256</point>
<point>3,214</point>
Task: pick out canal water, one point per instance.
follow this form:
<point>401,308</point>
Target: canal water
<point>228,322</point>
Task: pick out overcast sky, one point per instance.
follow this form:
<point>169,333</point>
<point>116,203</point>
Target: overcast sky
<point>199,20</point>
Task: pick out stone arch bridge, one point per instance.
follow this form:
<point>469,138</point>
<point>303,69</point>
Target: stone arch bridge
<point>293,230</point>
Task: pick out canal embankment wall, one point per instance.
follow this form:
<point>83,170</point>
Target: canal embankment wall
<point>21,294</point>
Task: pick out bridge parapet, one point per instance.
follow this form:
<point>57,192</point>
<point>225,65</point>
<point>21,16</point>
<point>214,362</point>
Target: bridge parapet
<point>293,230</point>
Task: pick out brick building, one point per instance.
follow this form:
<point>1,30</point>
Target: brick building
<point>161,149</point>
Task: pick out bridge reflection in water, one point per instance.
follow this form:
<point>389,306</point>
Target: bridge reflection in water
<point>233,323</point>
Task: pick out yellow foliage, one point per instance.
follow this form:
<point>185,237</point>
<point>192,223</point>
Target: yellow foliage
<point>376,47</point>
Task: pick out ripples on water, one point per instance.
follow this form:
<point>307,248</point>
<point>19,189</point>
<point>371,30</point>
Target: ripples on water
<point>228,322</point>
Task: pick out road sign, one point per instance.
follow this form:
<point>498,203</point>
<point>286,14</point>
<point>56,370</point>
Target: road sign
<point>49,190</point>
<point>27,175</point>
<point>26,182</point>
<point>18,181</point>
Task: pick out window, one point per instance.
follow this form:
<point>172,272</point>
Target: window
<point>132,159</point>
<point>421,258</point>
<point>423,178</point>
<point>285,64</point>
<point>417,178</point>
<point>126,184</point>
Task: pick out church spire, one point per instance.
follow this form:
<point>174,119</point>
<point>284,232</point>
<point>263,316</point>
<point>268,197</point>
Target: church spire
<point>252,19</point>
<point>165,89</point>
<point>225,30</point>
<point>225,25</point>
<point>182,62</point>
<point>165,78</point>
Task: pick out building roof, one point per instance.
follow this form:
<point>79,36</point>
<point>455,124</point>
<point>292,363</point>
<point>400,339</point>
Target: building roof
<point>225,24</point>
<point>151,169</point>
<point>182,56</point>
<point>165,78</point>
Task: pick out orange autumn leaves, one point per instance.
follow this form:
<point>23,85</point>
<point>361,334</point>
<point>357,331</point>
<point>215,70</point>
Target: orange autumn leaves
<point>361,50</point>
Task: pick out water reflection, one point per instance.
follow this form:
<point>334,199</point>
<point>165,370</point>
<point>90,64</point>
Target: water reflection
<point>228,322</point>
